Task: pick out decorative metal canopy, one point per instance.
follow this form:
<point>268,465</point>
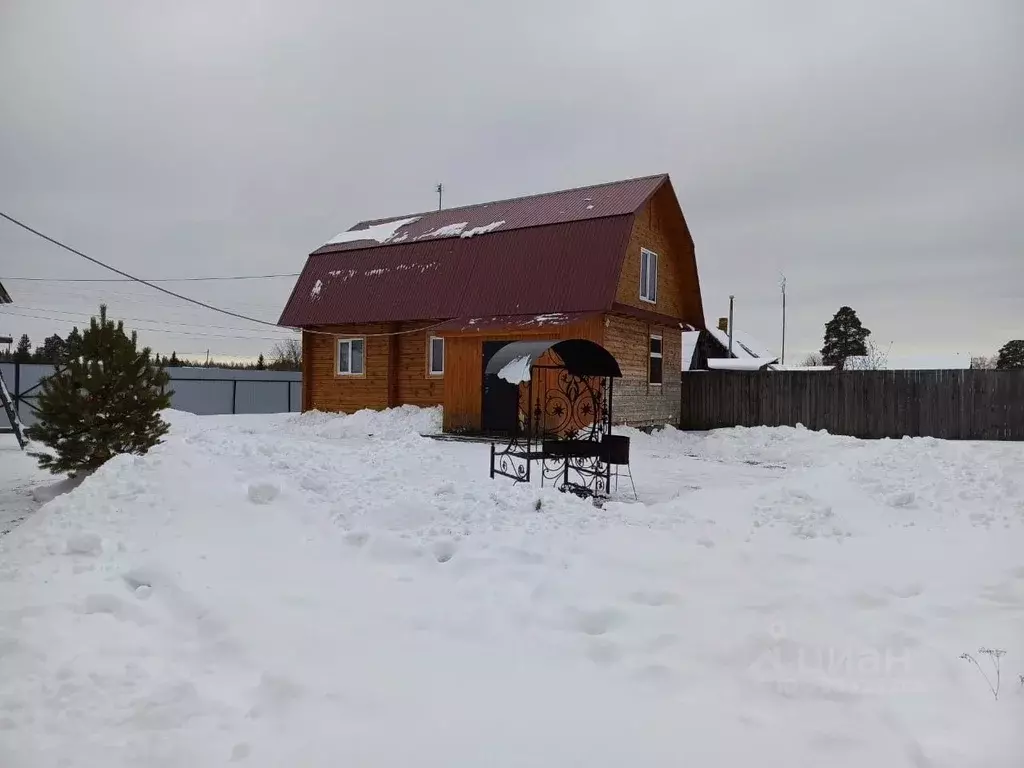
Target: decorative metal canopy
<point>580,357</point>
<point>561,413</point>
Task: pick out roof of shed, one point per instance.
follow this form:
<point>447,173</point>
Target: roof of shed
<point>558,252</point>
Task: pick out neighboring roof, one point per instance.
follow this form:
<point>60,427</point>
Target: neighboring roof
<point>743,345</point>
<point>738,364</point>
<point>581,357</point>
<point>5,297</point>
<point>690,341</point>
<point>579,204</point>
<point>559,252</point>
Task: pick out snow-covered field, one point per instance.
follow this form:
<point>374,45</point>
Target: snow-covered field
<point>338,591</point>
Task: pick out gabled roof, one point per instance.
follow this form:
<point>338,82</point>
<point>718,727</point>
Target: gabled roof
<point>553,252</point>
<point>579,204</point>
<point>5,297</point>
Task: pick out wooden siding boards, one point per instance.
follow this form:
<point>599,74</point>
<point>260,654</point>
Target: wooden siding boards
<point>636,400</point>
<point>463,380</point>
<point>395,369</point>
<point>659,226</point>
<point>955,404</point>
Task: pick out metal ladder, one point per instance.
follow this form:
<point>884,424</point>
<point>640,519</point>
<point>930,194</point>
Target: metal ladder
<point>12,414</point>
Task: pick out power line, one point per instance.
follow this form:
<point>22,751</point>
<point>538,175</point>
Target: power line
<point>155,287</point>
<point>148,280</point>
<point>87,316</point>
<point>198,303</point>
<point>5,312</point>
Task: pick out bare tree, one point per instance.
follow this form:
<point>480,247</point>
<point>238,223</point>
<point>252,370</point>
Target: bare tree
<point>813,359</point>
<point>287,355</point>
<point>876,359</point>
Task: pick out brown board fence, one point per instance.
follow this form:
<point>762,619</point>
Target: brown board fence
<point>956,404</point>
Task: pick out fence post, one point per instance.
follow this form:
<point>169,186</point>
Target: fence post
<point>288,394</point>
<point>17,388</point>
<point>234,396</point>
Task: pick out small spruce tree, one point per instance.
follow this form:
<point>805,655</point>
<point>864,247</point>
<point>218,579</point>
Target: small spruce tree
<point>173,362</point>
<point>104,399</point>
<point>261,363</point>
<point>1011,356</point>
<point>844,337</point>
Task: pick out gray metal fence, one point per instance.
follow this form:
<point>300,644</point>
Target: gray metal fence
<point>203,391</point>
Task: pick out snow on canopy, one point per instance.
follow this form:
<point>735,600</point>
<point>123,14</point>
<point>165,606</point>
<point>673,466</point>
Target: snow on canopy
<point>516,371</point>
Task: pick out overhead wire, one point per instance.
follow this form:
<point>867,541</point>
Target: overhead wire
<point>149,280</point>
<point>88,315</point>
<point>188,299</point>
<point>4,311</point>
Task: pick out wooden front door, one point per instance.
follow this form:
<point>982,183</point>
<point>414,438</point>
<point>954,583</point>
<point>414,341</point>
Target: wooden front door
<point>500,407</point>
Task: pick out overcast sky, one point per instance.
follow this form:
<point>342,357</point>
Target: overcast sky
<point>871,151</point>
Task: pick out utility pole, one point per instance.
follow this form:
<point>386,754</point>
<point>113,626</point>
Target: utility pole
<point>440,191</point>
<point>783,360</point>
<point>731,299</point>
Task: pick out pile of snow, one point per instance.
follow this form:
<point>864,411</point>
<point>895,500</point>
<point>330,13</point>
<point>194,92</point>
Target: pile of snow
<point>288,590</point>
<point>391,423</point>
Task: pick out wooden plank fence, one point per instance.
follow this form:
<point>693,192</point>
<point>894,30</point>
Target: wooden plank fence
<point>956,404</point>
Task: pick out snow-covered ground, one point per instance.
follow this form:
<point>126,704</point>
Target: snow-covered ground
<point>338,591</point>
<point>19,475</point>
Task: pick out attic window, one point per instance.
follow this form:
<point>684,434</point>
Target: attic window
<point>648,276</point>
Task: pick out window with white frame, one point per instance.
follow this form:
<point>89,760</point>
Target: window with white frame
<point>350,357</point>
<point>435,351</point>
<point>648,276</point>
<point>654,369</point>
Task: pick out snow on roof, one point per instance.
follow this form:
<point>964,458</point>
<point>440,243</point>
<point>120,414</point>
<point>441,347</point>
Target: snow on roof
<point>450,230</point>
<point>738,364</point>
<point>382,233</point>
<point>743,345</point>
<point>690,339</point>
<point>780,367</point>
<point>482,230</point>
<point>315,291</point>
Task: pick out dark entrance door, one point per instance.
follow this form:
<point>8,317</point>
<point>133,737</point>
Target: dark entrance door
<point>500,407</point>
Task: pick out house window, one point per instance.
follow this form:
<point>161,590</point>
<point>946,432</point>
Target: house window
<point>350,357</point>
<point>648,276</point>
<point>654,371</point>
<point>435,351</point>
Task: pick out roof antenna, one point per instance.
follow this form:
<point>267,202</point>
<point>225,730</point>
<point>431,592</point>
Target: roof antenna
<point>440,191</point>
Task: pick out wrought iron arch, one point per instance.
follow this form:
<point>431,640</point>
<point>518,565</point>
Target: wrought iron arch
<point>564,411</point>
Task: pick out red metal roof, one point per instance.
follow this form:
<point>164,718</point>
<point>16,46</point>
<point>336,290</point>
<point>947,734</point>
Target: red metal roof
<point>611,199</point>
<point>559,252</point>
<point>572,267</point>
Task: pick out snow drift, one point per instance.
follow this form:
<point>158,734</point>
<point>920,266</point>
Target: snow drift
<point>324,591</point>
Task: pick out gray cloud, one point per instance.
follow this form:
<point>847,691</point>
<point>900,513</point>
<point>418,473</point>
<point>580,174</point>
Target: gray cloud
<point>871,151</point>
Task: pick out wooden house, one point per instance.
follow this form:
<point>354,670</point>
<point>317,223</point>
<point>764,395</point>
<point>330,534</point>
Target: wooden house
<point>408,309</point>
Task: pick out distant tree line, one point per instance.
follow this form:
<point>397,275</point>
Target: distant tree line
<point>285,355</point>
